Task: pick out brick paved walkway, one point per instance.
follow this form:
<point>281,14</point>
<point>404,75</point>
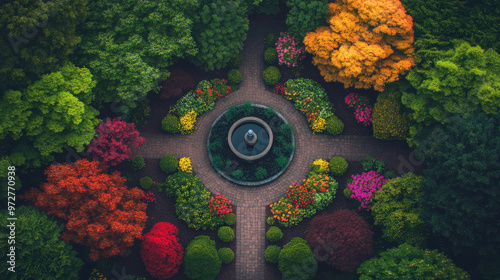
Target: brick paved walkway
<point>252,201</point>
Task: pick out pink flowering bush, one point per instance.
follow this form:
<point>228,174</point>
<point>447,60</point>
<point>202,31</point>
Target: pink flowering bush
<point>288,51</point>
<point>364,186</point>
<point>362,107</point>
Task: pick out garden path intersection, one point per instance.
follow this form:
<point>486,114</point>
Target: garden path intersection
<point>251,202</point>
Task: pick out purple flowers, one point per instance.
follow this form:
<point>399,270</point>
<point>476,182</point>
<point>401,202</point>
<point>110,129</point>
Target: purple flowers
<point>363,108</point>
<point>288,53</point>
<point>364,186</point>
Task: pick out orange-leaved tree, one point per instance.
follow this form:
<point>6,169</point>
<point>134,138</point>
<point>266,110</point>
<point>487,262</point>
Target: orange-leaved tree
<point>368,43</point>
<point>99,211</point>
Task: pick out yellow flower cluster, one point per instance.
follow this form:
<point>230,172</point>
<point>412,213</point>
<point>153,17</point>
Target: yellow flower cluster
<point>188,122</point>
<point>96,275</point>
<point>323,164</point>
<point>318,125</point>
<point>186,165</point>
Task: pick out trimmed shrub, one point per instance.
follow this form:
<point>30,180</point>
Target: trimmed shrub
<point>234,76</point>
<point>170,124</point>
<point>237,174</point>
<point>217,162</point>
<point>338,166</point>
<point>271,56</point>
<point>215,146</point>
<point>389,123</point>
<point>226,234</point>
<point>334,125</point>
<point>274,234</point>
<point>347,192</point>
<point>146,182</point>
<point>260,173</point>
<point>169,164</point>
<point>296,260</point>
<point>271,75</point>
<point>226,255</point>
<point>137,163</point>
<point>374,164</point>
<point>201,260</point>
<point>343,239</point>
<point>271,39</point>
<point>272,253</point>
<point>230,219</point>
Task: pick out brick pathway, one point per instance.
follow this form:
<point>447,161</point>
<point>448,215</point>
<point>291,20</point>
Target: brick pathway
<point>252,201</point>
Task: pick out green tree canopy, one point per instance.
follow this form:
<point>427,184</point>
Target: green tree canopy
<point>408,262</point>
<point>36,38</point>
<point>305,16</point>
<point>220,30</point>
<point>39,253</point>
<point>396,208</point>
<point>129,44</point>
<point>460,80</point>
<point>49,115</point>
<point>461,193</point>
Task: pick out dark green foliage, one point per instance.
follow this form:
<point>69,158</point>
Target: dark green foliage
<point>389,123</point>
<point>268,7</point>
<point>271,75</point>
<point>201,260</point>
<point>489,268</point>
<point>230,219</point>
<point>38,247</point>
<point>146,182</point>
<point>217,161</point>
<point>5,162</point>
<point>375,164</point>
<point>236,60</point>
<point>334,125</point>
<point>277,151</point>
<point>226,255</point>
<point>305,16</point>
<point>274,234</point>
<point>296,260</point>
<point>128,45</point>
<point>390,174</point>
<point>461,194</point>
<point>139,114</point>
<point>36,39</point>
<point>271,56</point>
<point>347,192</point>
<point>270,40</point>
<point>338,166</point>
<point>215,146</point>
<point>270,221</point>
<point>396,263</point>
<point>232,111</point>
<point>51,114</point>
<point>287,131</point>
<point>226,234</point>
<point>170,124</point>
<point>396,209</point>
<point>247,108</point>
<point>269,112</point>
<point>234,76</point>
<point>169,164</point>
<point>261,173</point>
<point>287,149</point>
<point>282,162</point>
<point>237,174</point>
<point>137,163</point>
<point>220,30</point>
<point>191,102</point>
<point>272,253</point>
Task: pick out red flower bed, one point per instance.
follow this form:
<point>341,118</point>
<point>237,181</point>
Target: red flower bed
<point>220,206</point>
<point>300,195</point>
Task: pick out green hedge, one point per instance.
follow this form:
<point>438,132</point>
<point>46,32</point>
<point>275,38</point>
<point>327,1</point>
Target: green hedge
<point>338,166</point>
<point>271,75</point>
<point>201,260</point>
<point>169,164</point>
<point>274,234</point>
<point>296,260</point>
<point>272,253</point>
<point>226,234</point>
<point>146,182</point>
<point>170,124</point>
<point>389,123</point>
<point>226,255</point>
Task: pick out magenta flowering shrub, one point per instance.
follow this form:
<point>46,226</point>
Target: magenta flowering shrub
<point>364,186</point>
<point>288,51</point>
<point>362,107</point>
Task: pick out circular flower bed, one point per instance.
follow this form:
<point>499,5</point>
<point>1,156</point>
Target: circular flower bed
<point>260,171</point>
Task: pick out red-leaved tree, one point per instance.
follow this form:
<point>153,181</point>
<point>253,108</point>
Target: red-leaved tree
<point>114,141</point>
<point>161,252</point>
<point>98,209</point>
<point>342,239</point>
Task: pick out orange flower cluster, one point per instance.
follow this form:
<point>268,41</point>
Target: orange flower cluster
<point>283,210</point>
<point>367,44</point>
<point>98,209</point>
<point>317,183</point>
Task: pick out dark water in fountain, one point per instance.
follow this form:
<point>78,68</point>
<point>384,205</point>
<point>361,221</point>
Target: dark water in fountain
<point>238,139</point>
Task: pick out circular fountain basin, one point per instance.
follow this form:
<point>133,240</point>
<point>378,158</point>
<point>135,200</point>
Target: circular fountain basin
<point>236,138</point>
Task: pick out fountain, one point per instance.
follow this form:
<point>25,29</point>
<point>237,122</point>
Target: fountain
<point>250,138</point>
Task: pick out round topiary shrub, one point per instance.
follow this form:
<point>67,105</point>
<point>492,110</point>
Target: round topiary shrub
<point>226,234</point>
<point>271,56</point>
<point>237,174</point>
<point>146,182</point>
<point>274,234</point>
<point>201,260</point>
<point>169,164</point>
<point>230,219</point>
<point>338,166</point>
<point>334,125</point>
<point>296,260</point>
<point>170,124</point>
<point>347,192</point>
<point>234,76</point>
<point>270,221</point>
<point>137,163</point>
<point>271,75</point>
<point>271,39</point>
<point>272,253</point>
<point>226,255</point>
